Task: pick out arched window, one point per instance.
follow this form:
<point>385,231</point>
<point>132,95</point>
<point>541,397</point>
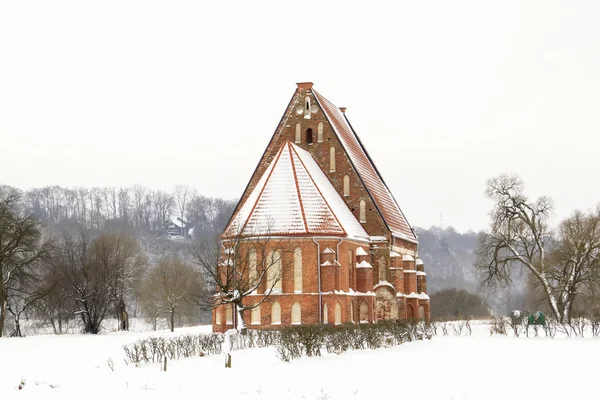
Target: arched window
<point>296,314</point>
<point>363,312</point>
<point>346,185</point>
<point>218,317</point>
<point>338,313</point>
<point>382,269</point>
<point>252,275</point>
<point>325,312</point>
<point>363,211</point>
<point>421,312</point>
<point>332,159</point>
<point>320,132</point>
<point>255,316</point>
<point>275,314</point>
<point>307,108</point>
<point>309,137</point>
<point>410,311</point>
<point>273,266</point>
<point>394,310</point>
<point>351,267</point>
<point>298,270</point>
<point>352,312</point>
<point>298,137</point>
<point>229,314</point>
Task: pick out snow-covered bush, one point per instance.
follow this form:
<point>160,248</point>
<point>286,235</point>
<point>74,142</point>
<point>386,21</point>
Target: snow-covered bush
<point>311,340</point>
<point>155,349</point>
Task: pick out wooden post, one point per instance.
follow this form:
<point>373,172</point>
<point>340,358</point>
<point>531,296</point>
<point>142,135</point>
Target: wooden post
<point>228,360</point>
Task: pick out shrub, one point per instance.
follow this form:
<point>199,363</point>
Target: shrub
<point>310,340</point>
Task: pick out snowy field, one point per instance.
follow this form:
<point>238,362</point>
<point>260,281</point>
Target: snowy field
<point>447,367</point>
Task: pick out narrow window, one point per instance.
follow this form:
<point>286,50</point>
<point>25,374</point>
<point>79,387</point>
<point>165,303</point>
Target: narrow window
<point>320,132</point>
<point>351,267</point>
<point>421,312</point>
<point>296,314</point>
<point>307,107</point>
<point>394,310</point>
<point>410,311</point>
<point>275,314</point>
<point>325,317</point>
<point>338,313</point>
<point>382,269</point>
<point>332,159</point>
<point>273,266</point>
<point>255,316</point>
<point>218,317</point>
<point>298,137</point>
<point>229,314</point>
<point>363,211</point>
<point>352,312</point>
<point>309,137</point>
<point>364,312</point>
<point>346,185</point>
<point>252,275</point>
<point>298,270</point>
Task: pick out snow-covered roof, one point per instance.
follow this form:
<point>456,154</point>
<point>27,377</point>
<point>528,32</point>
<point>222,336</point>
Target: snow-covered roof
<point>393,254</point>
<point>419,262</point>
<point>421,273</point>
<point>329,263</point>
<point>384,283</point>
<point>294,197</point>
<point>423,296</point>
<point>363,264</point>
<point>407,257</point>
<point>412,295</point>
<point>177,222</point>
<point>377,189</point>
<point>361,252</point>
<point>329,250</point>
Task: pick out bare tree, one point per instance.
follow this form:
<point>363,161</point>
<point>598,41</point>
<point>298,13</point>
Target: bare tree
<point>240,267</point>
<point>182,197</point>
<point>168,288</point>
<point>97,275</point>
<point>575,261</point>
<point>21,247</point>
<point>119,255</point>
<point>520,237</point>
<point>162,204</point>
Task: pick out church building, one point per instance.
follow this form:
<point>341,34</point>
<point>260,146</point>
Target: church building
<point>342,250</point>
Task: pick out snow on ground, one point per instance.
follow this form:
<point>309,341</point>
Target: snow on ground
<point>447,367</point>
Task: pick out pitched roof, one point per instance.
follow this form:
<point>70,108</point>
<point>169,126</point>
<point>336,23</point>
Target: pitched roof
<point>294,197</point>
<point>364,166</point>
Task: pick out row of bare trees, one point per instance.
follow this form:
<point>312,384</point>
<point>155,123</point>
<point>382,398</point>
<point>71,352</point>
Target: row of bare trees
<point>56,274</point>
<point>136,206</point>
<point>562,262</point>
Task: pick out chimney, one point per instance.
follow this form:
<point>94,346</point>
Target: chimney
<point>305,85</point>
<point>343,110</point>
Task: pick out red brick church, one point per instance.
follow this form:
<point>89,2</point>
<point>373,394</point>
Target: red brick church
<point>344,251</point>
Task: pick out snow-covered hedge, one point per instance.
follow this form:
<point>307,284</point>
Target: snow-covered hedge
<point>154,349</point>
<point>311,340</point>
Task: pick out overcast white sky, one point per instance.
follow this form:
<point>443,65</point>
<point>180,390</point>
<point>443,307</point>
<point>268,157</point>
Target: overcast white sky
<point>115,93</point>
